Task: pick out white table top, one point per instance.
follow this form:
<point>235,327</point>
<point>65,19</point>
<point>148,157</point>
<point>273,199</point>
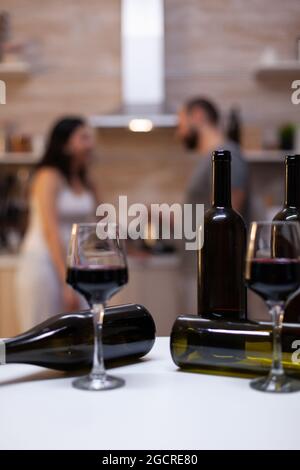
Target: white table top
<point>160,408</point>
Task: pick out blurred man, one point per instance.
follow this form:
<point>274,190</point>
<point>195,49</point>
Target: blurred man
<point>199,130</point>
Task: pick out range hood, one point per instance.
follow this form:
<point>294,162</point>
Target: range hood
<point>143,65</point>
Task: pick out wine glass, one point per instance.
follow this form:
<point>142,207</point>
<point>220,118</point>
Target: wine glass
<point>97,268</point>
<point>273,272</point>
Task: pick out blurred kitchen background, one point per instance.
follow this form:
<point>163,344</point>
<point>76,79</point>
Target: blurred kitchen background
<point>60,58</point>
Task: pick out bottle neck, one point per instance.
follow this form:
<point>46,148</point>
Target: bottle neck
<point>221,184</point>
<point>292,185</point>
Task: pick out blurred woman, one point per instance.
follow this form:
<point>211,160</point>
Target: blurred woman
<point>61,194</point>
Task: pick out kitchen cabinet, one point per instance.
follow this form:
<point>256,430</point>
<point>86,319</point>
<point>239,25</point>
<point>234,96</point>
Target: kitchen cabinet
<point>154,282</point>
<point>8,317</point>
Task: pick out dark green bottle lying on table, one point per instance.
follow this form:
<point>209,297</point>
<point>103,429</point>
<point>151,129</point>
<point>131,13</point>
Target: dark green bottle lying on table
<point>241,349</point>
<point>65,342</point>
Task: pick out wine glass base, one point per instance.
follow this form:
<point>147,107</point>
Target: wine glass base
<point>276,384</point>
<point>89,383</point>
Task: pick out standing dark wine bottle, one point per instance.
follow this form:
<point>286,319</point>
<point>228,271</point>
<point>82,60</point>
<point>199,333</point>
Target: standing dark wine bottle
<point>65,342</point>
<point>221,260</point>
<point>231,348</point>
<point>289,212</point>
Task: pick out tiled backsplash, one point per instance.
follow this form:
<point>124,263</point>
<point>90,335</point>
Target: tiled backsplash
<point>149,167</point>
<point>153,167</point>
<point>212,48</point>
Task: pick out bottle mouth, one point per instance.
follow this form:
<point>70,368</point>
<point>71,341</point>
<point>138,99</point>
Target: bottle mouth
<point>221,155</point>
<point>292,159</point>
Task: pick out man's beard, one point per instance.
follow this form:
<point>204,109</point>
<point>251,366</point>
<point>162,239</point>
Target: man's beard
<point>191,140</point>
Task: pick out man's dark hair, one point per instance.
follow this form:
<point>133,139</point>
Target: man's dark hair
<point>209,108</point>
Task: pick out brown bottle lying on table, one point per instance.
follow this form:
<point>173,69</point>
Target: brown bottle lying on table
<point>231,348</point>
<point>65,341</point>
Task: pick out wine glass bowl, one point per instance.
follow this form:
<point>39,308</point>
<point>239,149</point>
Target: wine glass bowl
<point>97,268</point>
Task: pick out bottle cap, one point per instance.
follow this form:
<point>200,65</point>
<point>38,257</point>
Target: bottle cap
<point>292,159</point>
<point>221,155</point>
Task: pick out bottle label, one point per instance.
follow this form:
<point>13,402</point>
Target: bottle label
<point>2,352</point>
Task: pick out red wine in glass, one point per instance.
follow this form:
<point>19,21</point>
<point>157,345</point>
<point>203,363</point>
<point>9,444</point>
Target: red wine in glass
<point>274,279</point>
<point>97,283</point>
<point>273,272</point>
<point>97,268</point>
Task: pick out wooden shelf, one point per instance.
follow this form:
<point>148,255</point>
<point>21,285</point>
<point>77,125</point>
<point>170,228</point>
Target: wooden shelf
<point>279,69</point>
<point>14,69</point>
<point>16,158</point>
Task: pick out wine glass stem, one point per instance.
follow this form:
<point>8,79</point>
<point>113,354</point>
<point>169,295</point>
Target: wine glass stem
<point>277,313</point>
<point>98,371</point>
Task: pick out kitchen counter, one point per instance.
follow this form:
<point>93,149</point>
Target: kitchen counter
<point>140,260</point>
<point>159,408</point>
<point>148,273</point>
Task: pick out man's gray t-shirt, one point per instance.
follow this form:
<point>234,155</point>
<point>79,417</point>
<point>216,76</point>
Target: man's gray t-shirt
<point>199,190</point>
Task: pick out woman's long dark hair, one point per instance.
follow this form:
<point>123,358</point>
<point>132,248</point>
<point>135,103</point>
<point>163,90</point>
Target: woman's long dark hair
<point>55,155</point>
